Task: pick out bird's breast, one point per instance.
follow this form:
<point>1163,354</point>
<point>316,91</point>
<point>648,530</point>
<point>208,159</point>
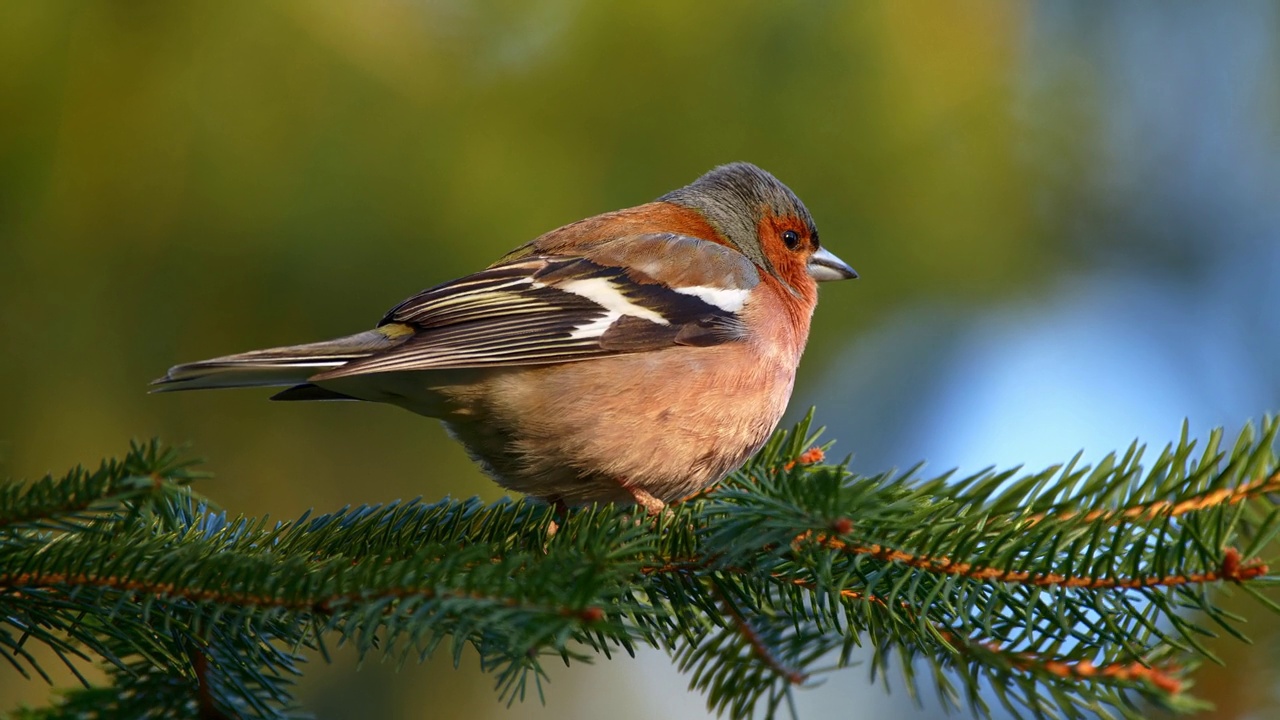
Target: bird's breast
<point>671,422</point>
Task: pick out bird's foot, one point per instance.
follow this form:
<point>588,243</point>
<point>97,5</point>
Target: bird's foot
<point>561,515</point>
<point>644,499</point>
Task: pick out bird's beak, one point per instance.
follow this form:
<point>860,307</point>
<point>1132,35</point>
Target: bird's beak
<point>824,266</point>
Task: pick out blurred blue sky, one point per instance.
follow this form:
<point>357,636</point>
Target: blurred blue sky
<point>1168,305</point>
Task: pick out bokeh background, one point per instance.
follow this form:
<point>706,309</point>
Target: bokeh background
<point>1066,217</point>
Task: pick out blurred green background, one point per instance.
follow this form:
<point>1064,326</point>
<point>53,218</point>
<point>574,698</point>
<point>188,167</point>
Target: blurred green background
<point>1065,217</point>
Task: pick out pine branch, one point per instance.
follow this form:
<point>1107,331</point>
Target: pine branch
<point>1075,592</point>
<point>149,476</point>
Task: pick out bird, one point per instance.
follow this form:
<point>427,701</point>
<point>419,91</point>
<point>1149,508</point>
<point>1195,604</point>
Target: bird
<point>635,357</point>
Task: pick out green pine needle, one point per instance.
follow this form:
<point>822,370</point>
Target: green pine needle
<point>1073,592</point>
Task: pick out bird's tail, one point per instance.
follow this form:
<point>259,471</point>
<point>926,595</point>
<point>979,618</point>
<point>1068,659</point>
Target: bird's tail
<point>282,366</point>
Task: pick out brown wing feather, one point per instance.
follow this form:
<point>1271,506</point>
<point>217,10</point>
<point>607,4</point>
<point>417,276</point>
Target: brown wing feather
<point>549,309</point>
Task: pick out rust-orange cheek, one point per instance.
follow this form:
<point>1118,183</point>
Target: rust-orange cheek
<point>791,265</point>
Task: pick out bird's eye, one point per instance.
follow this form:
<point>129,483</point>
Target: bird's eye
<point>792,239</point>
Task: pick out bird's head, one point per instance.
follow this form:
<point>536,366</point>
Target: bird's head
<point>761,218</point>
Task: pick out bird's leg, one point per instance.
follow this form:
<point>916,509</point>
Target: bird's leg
<point>561,509</point>
<point>657,510</point>
<point>651,504</point>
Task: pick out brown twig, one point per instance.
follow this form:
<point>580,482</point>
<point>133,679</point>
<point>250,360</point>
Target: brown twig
<point>323,606</point>
<point>758,646</point>
<point>1135,671</point>
<point>1157,509</point>
<point>207,707</point>
<point>1163,678</point>
<point>1231,568</point>
<point>113,491</point>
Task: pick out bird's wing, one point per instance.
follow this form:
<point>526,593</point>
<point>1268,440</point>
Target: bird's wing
<point>631,294</point>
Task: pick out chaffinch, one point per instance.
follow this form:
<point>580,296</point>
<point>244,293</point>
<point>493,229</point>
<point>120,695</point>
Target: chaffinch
<point>636,356</point>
